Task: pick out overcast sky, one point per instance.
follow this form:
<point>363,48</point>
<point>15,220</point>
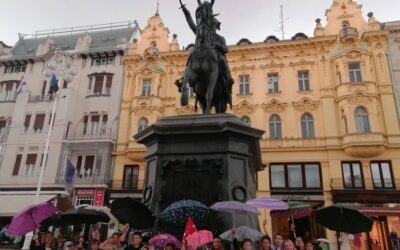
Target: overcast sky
<point>253,19</point>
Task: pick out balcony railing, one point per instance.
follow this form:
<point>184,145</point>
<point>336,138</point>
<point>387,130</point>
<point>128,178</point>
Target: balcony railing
<point>368,184</point>
<point>87,180</point>
<point>119,185</point>
<point>40,98</point>
<point>106,134</point>
<point>348,32</point>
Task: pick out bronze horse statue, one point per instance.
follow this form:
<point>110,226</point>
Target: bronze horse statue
<point>203,69</point>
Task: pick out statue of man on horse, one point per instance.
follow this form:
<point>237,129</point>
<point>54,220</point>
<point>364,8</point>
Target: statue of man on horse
<point>207,70</point>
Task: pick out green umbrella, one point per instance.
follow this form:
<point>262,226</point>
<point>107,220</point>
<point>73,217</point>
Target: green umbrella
<point>344,219</point>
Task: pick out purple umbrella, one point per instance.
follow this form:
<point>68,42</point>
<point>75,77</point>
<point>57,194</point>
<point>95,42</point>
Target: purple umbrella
<point>235,207</point>
<point>30,218</point>
<point>268,203</point>
<point>160,240</point>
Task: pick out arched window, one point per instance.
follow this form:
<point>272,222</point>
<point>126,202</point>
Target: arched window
<point>143,124</point>
<point>246,120</point>
<point>307,126</point>
<point>362,120</point>
<point>275,127</point>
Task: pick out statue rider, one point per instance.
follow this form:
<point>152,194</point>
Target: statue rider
<point>219,44</point>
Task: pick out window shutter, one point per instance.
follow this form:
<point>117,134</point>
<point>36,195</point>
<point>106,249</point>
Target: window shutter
<point>39,121</point>
<point>9,86</point>
<point>105,118</point>
<point>31,159</point>
<point>90,82</point>
<point>89,162</point>
<point>98,85</point>
<point>27,120</point>
<point>109,81</point>
<point>17,165</point>
<point>2,124</point>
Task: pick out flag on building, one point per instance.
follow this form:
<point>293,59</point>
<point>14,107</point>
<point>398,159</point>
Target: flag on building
<point>189,230</point>
<point>69,176</point>
<point>22,83</point>
<point>53,84</point>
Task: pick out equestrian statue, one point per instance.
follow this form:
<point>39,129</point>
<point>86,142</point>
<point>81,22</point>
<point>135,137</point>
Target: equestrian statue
<point>207,70</point>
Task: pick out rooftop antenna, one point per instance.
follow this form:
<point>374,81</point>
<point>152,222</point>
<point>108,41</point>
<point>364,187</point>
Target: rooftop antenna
<point>282,23</point>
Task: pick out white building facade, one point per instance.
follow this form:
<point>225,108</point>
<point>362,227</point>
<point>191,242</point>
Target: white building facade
<point>86,117</point>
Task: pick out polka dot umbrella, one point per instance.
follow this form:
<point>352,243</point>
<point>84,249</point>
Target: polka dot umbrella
<point>177,213</point>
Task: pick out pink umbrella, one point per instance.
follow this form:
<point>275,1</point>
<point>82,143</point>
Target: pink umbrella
<point>30,218</point>
<point>160,240</point>
<point>199,238</point>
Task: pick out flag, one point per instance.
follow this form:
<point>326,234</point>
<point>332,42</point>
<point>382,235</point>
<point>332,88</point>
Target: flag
<point>53,84</point>
<point>189,229</point>
<point>69,176</point>
<point>22,83</point>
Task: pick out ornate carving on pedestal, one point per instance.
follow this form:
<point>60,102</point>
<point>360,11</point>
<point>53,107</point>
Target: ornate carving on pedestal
<point>274,106</point>
<point>244,108</point>
<point>305,104</point>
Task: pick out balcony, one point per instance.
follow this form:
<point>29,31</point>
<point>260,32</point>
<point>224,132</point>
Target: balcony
<point>119,191</point>
<point>365,194</point>
<point>293,142</point>
<point>88,180</point>
<point>103,134</point>
<point>364,145</point>
<point>346,90</point>
<point>40,98</point>
<point>348,34</point>
<point>10,99</point>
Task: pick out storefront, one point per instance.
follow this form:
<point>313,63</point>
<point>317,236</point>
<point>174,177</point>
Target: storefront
<point>383,206</point>
<point>89,196</point>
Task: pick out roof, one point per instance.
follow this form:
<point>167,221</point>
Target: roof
<point>4,45</point>
<point>101,41</point>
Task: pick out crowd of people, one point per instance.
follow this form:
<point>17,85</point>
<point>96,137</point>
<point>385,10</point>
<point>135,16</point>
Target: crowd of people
<point>134,241</point>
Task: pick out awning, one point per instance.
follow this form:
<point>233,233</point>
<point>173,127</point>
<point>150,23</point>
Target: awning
<point>379,210</point>
<point>10,204</point>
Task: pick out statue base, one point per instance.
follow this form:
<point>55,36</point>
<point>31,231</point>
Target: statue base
<point>207,158</point>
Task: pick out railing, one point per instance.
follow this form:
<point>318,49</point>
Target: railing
<point>368,184</point>
<point>11,99</point>
<point>119,185</point>
<point>102,135</point>
<point>86,180</point>
<point>40,98</point>
<point>348,32</point>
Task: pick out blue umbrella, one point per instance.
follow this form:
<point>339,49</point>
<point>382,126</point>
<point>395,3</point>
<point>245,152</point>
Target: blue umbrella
<point>179,212</point>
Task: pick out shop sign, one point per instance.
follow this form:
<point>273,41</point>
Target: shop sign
<point>82,192</point>
<point>298,197</point>
<point>98,199</point>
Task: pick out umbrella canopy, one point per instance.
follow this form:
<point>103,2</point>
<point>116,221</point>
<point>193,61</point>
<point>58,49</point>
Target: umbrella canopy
<point>180,211</point>
<point>268,203</point>
<point>340,218</point>
<point>296,210</point>
<point>199,238</point>
<point>128,210</point>
<point>160,240</point>
<point>54,220</point>
<point>30,218</point>
<point>243,232</point>
<point>234,207</point>
<point>85,215</point>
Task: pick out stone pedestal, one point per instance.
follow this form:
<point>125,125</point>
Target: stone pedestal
<point>208,158</point>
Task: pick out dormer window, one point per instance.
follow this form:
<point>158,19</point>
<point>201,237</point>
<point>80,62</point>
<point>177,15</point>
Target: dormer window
<point>15,69</point>
<point>244,41</point>
<point>103,61</point>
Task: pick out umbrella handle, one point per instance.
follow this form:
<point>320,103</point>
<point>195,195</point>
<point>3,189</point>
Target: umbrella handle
<point>294,231</point>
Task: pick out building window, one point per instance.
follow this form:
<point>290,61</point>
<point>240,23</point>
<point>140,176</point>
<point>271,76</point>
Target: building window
<point>100,84</point>
<point>131,177</point>
<point>84,200</point>
<point>95,125</point>
<point>108,84</point>
<point>104,125</point>
<point>15,69</point>
<point>307,126</point>
<point>244,85</point>
<point>39,122</point>
<point>304,81</point>
<point>7,92</point>
<point>382,175</point>
<point>352,175</point>
<point>273,83</point>
<point>355,72</point>
<point>3,124</point>
<point>27,122</point>
<point>246,120</point>
<point>17,165</point>
<point>362,120</point>
<point>146,87</point>
<point>275,127</point>
<point>143,124</point>
<point>85,166</point>
<point>30,164</point>
<point>295,176</point>
<point>85,124</point>
<point>103,61</point>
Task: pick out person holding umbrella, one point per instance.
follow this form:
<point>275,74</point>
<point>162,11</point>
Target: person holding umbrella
<point>116,240</point>
<point>46,244</point>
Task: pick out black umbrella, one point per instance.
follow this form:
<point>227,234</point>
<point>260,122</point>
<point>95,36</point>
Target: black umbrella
<point>84,215</point>
<point>344,219</point>
<point>128,210</point>
<point>54,220</point>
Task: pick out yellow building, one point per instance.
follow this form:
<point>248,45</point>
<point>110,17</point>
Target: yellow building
<point>326,103</point>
